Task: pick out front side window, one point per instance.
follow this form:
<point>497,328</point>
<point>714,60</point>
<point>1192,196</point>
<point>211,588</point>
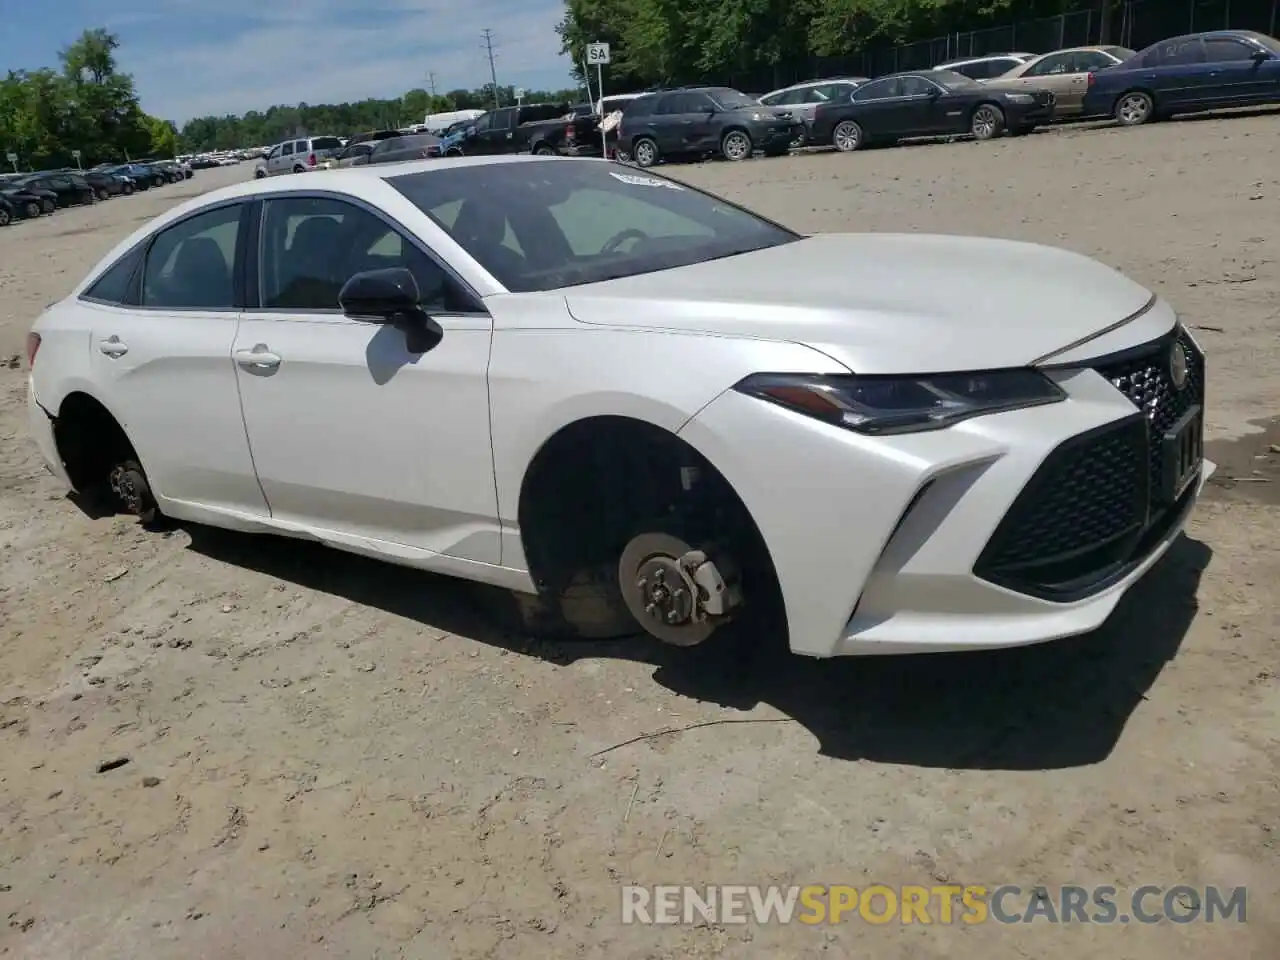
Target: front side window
<point>191,265</point>
<point>1051,66</point>
<point>1226,50</point>
<point>916,87</point>
<point>728,99</point>
<point>877,90</point>
<point>311,246</point>
<point>560,224</point>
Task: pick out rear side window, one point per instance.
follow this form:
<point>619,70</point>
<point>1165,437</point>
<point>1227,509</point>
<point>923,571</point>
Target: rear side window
<point>191,265</point>
<point>118,285</point>
<point>287,150</point>
<point>325,143</point>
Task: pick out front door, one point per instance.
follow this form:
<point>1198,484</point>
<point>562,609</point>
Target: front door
<point>1236,77</point>
<point>351,433</point>
<point>164,358</point>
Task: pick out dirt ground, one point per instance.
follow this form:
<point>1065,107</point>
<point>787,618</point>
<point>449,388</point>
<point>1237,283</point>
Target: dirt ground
<point>332,757</point>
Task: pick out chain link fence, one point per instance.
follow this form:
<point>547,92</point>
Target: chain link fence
<point>1129,23</point>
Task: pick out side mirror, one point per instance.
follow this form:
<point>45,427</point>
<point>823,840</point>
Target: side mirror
<point>391,296</point>
<point>934,93</point>
<point>1258,56</point>
<point>380,295</point>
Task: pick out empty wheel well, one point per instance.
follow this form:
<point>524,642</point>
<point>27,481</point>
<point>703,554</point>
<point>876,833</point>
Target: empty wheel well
<point>598,482</point>
<point>90,441</point>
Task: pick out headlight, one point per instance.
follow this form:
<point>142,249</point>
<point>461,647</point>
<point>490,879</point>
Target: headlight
<point>1021,98</point>
<point>889,405</point>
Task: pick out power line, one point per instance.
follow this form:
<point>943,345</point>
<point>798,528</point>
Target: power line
<point>493,71</point>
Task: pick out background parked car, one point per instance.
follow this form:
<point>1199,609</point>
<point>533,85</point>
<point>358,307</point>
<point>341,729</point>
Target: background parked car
<point>986,67</point>
<point>698,121</point>
<point>542,128</point>
<point>66,190</point>
<point>297,156</point>
<point>8,212</point>
<point>1065,72</point>
<point>803,99</point>
<point>29,198</point>
<point>1188,74</point>
<point>416,146</point>
<point>104,184</point>
<point>928,104</point>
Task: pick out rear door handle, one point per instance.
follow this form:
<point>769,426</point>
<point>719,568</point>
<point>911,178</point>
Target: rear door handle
<point>113,347</point>
<point>259,358</point>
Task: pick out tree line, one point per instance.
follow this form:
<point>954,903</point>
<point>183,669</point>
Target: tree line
<point>775,42</point>
<point>84,104</point>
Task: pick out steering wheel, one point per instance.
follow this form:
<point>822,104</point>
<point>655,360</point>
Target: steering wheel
<point>622,236</point>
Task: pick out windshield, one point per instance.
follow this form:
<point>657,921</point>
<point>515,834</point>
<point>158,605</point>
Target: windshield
<point>1120,53</point>
<point>952,80</point>
<point>560,223</point>
<point>727,99</point>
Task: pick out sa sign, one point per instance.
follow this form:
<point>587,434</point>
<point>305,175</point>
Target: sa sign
<point>597,54</point>
<point>75,154</point>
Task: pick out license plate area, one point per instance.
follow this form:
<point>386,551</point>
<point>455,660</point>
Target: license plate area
<point>1182,449</point>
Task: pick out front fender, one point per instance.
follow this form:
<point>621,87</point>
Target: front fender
<point>541,381</point>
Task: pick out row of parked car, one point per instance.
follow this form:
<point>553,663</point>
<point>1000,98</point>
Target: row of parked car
<point>983,97</point>
<point>25,196</point>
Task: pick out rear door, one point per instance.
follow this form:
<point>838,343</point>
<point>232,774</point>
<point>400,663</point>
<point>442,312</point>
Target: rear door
<point>1177,73</point>
<point>161,341</point>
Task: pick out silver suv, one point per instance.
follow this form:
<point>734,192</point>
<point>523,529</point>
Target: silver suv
<point>297,156</point>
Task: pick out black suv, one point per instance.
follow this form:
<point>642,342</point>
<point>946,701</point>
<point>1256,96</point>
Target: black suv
<point>696,121</point>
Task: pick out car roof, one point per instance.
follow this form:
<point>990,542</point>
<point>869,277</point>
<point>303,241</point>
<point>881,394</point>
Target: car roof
<point>987,56</point>
<point>816,83</point>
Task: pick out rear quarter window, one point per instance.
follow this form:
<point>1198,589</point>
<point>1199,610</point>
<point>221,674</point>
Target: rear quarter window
<point>118,284</point>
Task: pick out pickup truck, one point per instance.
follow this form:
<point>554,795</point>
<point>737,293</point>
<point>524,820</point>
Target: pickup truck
<point>541,128</point>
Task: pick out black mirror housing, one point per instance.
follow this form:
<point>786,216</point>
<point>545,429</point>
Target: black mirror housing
<point>380,296</point>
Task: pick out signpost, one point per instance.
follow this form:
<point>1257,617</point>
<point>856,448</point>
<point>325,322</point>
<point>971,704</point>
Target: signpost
<point>598,54</point>
<point>519,95</point>
<point>75,155</point>
<point>13,160</point>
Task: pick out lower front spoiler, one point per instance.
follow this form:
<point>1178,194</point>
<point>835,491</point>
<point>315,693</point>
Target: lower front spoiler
<point>897,617</point>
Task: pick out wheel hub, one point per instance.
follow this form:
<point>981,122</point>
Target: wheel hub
<point>674,591</point>
<point>130,486</point>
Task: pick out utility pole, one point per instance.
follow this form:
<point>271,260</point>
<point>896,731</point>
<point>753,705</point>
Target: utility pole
<point>431,80</point>
<point>493,72</point>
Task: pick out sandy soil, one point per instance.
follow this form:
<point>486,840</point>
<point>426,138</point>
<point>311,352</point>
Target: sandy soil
<point>331,757</point>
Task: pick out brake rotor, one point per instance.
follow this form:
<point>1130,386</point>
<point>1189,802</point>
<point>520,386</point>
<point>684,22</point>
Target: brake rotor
<point>660,594</point>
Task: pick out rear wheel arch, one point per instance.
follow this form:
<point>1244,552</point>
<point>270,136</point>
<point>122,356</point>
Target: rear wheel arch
<point>98,454</point>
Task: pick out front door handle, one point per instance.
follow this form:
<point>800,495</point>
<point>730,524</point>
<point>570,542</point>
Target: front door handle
<point>259,358</point>
<point>113,347</point>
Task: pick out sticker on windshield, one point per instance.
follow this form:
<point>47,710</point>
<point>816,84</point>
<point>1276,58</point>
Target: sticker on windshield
<point>636,181</point>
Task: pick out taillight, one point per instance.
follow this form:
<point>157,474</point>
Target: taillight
<point>1089,81</point>
<point>33,347</point>
<point>311,160</point>
<point>570,133</point>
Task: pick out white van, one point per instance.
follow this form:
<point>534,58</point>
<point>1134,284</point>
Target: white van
<point>438,122</point>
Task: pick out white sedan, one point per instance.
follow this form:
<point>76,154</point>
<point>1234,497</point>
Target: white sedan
<point>591,387</point>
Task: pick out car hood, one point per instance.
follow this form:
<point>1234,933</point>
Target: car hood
<point>882,303</point>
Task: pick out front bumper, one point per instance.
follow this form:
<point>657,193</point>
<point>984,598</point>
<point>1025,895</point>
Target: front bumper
<point>1031,114</point>
<point>875,541</point>
<point>776,135</point>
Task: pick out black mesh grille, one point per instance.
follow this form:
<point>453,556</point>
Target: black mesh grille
<point>1079,515</point>
<point>1097,504</point>
<point>1145,378</point>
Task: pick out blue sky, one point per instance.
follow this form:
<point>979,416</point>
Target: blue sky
<point>196,57</point>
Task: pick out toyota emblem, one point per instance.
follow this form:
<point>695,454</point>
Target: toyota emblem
<point>1178,366</point>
